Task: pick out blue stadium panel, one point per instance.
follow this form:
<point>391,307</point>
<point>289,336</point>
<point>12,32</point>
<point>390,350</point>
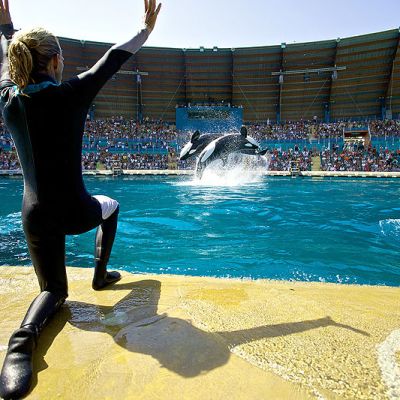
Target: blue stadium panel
<point>210,119</point>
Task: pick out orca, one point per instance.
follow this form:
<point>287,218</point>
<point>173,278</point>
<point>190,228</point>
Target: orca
<point>221,147</point>
<point>197,144</point>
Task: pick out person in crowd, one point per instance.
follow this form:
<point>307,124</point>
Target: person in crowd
<point>117,141</point>
<point>34,101</point>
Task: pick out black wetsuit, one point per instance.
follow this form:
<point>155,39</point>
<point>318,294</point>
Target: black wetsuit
<point>47,126</point>
<point>47,123</point>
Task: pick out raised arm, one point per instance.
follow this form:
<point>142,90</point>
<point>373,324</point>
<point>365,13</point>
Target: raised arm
<point>91,81</point>
<point>6,31</point>
<point>149,21</point>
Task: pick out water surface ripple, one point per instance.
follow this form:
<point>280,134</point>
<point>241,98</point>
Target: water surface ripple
<point>333,230</point>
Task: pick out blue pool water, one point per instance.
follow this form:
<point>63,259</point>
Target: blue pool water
<point>331,229</point>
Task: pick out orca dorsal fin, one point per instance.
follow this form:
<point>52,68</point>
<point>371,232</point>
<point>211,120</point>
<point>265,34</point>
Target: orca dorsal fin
<point>195,136</point>
<point>243,131</point>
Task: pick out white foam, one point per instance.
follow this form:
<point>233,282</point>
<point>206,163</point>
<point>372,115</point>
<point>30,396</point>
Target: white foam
<point>389,367</point>
<point>239,170</point>
<point>390,228</point>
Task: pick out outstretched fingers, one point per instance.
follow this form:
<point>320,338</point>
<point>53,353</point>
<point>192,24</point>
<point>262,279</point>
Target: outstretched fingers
<point>151,13</point>
<point>4,8</point>
<point>158,9</point>
<point>152,6</point>
<point>5,17</point>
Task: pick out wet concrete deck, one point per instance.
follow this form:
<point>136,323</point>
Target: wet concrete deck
<point>171,337</point>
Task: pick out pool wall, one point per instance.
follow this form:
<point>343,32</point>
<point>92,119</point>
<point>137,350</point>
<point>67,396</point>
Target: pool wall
<point>352,174</point>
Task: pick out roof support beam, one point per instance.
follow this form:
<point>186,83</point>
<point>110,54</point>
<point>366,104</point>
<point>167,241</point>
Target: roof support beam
<point>138,78</point>
<point>388,92</point>
<point>185,76</point>
<point>308,71</point>
<point>280,82</point>
<point>232,75</point>
<point>328,105</point>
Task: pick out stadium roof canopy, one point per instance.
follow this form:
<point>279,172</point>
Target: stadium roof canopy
<point>356,77</point>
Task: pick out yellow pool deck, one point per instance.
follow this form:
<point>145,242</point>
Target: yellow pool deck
<point>175,337</point>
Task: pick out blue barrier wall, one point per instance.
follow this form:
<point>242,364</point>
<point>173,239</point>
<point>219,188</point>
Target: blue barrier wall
<point>391,143</point>
<point>210,119</point>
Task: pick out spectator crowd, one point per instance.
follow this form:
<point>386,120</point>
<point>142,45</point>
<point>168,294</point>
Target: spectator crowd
<point>360,159</point>
<point>118,142</point>
<point>303,130</point>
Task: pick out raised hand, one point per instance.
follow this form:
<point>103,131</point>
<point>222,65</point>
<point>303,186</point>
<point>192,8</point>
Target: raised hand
<point>150,13</point>
<point>5,17</point>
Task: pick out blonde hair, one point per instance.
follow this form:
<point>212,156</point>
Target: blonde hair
<point>30,51</point>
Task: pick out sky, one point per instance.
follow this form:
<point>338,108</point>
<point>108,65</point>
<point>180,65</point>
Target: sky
<point>209,23</point>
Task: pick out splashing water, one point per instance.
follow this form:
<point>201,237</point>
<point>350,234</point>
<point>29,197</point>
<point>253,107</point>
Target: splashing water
<point>390,228</point>
<point>239,170</point>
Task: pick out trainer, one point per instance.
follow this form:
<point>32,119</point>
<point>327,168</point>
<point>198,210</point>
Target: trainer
<point>46,118</point>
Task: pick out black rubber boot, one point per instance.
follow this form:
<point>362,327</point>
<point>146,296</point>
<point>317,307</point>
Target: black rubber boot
<point>105,236</point>
<point>15,378</point>
<point>16,374</point>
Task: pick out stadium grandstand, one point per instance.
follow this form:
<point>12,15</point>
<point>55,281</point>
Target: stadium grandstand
<point>336,100</point>
<point>356,77</point>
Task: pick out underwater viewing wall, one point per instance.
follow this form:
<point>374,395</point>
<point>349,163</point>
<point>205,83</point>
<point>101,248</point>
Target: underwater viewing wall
<point>211,119</point>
